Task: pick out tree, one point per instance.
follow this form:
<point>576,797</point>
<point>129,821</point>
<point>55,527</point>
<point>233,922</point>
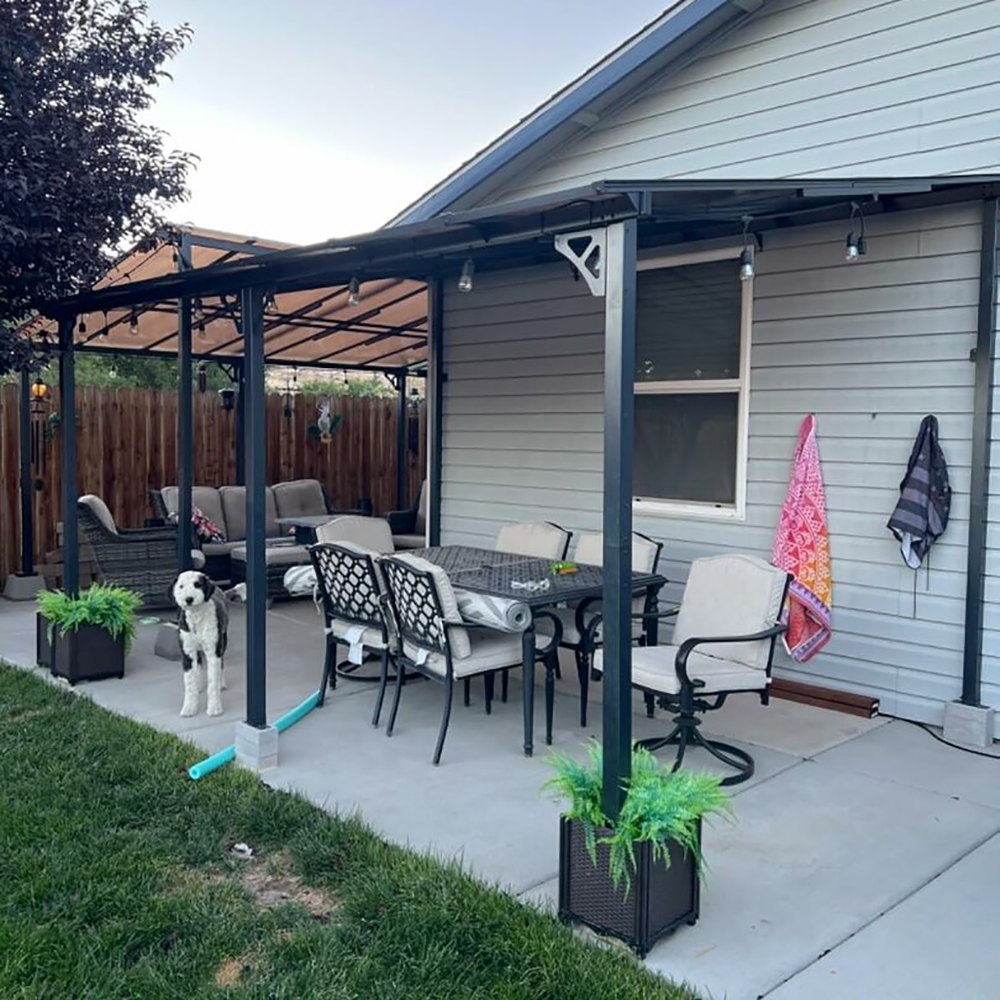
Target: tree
<point>80,175</point>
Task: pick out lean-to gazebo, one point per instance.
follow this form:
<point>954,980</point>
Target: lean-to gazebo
<point>600,231</point>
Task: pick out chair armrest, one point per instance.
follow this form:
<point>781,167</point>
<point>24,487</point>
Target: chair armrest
<point>557,629</point>
<point>167,532</point>
<point>590,631</point>
<point>402,522</point>
<point>688,645</point>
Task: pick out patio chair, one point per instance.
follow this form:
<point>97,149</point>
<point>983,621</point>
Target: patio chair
<point>581,621</point>
<point>723,644</point>
<point>352,598</point>
<point>432,639</point>
<point>370,532</point>
<point>141,559</point>
<point>542,539</point>
<point>409,527</point>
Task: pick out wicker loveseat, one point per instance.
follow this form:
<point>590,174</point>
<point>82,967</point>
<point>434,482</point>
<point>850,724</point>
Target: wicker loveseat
<point>225,506</point>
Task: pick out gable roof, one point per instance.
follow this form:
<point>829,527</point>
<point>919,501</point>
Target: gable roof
<point>685,25</point>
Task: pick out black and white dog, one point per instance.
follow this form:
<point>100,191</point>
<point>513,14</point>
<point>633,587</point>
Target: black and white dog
<point>203,627</point>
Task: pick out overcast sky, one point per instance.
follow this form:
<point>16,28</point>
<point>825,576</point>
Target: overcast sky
<point>320,118</point>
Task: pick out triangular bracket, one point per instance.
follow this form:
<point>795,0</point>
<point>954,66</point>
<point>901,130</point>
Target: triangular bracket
<point>585,250</point>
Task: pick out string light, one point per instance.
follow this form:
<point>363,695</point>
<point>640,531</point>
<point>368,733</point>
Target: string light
<point>857,246</point>
<point>465,280</point>
<point>133,324</point>
<point>746,257</point>
<point>354,292</point>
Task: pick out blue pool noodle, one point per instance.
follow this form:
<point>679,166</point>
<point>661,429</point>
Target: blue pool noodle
<point>217,760</point>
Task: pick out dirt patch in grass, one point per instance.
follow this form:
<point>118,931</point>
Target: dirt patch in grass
<point>231,970</point>
<point>26,716</point>
<point>271,883</point>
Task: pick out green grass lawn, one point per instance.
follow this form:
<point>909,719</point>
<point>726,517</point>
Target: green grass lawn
<point>117,882</point>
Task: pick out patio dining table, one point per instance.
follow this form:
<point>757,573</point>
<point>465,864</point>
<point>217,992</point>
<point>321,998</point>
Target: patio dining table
<point>533,581</point>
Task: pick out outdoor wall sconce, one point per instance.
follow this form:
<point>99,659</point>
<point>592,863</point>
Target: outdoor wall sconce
<point>288,397</point>
<point>39,396</point>
<point>227,398</point>
<point>414,401</point>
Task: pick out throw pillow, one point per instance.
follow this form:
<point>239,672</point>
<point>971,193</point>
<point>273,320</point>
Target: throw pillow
<point>205,529</point>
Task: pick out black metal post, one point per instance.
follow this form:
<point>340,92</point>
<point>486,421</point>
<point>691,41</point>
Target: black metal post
<point>241,438</point>
<point>67,435</point>
<point>982,415</point>
<point>619,373</point>
<point>185,435</point>
<point>402,412</point>
<point>252,311</point>
<point>435,404</point>
<point>27,520</point>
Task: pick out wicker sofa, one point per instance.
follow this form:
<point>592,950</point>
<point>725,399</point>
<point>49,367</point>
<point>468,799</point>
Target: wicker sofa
<point>225,506</point>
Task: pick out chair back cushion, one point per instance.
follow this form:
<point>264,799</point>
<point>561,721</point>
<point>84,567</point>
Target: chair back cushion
<point>234,506</point>
<point>421,593</point>
<point>731,595</point>
<point>205,498</point>
<point>300,498</point>
<point>533,538</point>
<point>99,509</point>
<point>645,552</point>
<point>372,533</point>
<point>349,582</point>
<point>420,523</point>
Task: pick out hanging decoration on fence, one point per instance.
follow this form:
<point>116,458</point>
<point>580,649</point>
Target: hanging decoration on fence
<point>327,423</point>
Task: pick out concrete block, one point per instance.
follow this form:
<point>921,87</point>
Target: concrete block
<point>168,644</point>
<point>256,749</point>
<point>23,588</point>
<point>968,724</point>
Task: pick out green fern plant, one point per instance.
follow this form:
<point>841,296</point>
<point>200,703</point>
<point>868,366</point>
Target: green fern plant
<point>110,608</point>
<point>660,806</point>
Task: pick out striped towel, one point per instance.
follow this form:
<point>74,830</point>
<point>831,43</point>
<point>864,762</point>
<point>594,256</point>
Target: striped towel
<point>802,548</point>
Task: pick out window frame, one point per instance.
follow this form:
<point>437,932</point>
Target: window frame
<point>735,511</point>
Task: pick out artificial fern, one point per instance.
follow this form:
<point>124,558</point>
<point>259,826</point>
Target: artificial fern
<point>107,607</point>
<point>660,806</point>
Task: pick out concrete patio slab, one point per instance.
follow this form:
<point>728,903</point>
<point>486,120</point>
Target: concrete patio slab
<point>940,942</point>
<point>816,854</point>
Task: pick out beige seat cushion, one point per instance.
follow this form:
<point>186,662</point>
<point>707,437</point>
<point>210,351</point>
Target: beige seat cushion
<point>276,555</point>
<point>409,541</point>
<point>300,498</point>
<point>590,551</point>
<point>653,670</point>
<point>100,510</point>
<point>205,498</point>
<point>234,506</point>
<point>459,637</point>
<point>420,523</point>
<point>532,538</point>
<point>488,651</point>
<point>370,637</point>
<point>371,533</point>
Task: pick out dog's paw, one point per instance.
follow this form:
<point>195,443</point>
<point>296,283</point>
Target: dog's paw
<point>214,708</point>
<point>188,710</point>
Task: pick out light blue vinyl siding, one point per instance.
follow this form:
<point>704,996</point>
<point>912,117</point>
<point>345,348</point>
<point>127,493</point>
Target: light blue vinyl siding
<point>869,347</point>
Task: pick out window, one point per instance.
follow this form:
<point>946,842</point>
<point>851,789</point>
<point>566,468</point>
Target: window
<point>691,391</point>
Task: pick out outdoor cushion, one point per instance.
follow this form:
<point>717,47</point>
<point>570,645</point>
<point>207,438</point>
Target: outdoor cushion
<point>487,651</point>
<point>234,504</point>
<point>653,669</point>
<point>197,559</point>
<point>100,510</point>
<point>409,541</point>
<point>205,498</point>
<point>533,538</point>
<point>370,637</point>
<point>371,533</point>
<point>459,637</point>
<point>275,555</point>
<point>731,595</point>
<point>300,498</point>
<point>420,523</point>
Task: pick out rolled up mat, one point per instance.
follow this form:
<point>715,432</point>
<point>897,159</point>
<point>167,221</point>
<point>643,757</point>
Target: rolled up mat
<point>217,760</point>
<point>502,613</point>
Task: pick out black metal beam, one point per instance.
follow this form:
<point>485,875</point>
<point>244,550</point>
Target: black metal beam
<point>402,331</point>
<point>619,373</point>
<point>27,518</point>
<point>982,415</point>
<point>402,501</point>
<point>230,246</point>
<point>435,405</point>
<point>67,436</point>
<point>185,436</point>
<point>241,418</point>
<point>252,309</point>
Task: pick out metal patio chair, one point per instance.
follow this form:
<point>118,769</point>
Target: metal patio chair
<point>723,644</point>
<point>541,539</point>
<point>431,638</point>
<point>353,603</point>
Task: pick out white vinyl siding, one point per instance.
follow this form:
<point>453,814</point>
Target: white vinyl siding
<point>826,88</point>
<point>869,347</point>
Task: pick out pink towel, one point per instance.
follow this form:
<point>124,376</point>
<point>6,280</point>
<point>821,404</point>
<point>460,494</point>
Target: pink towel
<point>802,547</point>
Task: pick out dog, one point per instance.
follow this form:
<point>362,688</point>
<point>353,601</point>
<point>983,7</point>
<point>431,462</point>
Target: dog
<point>203,627</point>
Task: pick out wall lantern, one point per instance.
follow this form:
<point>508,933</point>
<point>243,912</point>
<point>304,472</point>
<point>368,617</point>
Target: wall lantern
<point>227,398</point>
<point>39,396</point>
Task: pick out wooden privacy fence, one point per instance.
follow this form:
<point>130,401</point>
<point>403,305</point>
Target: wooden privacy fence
<point>127,445</point>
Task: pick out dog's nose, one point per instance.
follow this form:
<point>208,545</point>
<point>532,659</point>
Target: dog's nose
<point>189,600</point>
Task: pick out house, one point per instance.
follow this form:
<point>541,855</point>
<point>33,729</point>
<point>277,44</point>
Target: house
<point>730,90</point>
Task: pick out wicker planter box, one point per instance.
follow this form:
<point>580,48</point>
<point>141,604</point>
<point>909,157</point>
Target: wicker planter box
<point>659,900</point>
<point>88,654</point>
